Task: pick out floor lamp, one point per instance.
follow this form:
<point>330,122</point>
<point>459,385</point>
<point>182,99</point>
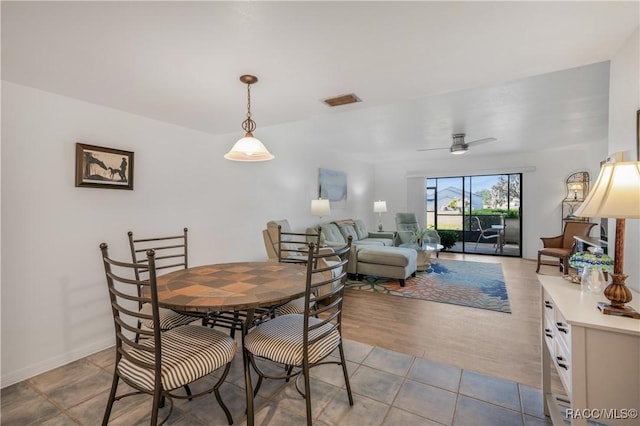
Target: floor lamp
<point>616,194</point>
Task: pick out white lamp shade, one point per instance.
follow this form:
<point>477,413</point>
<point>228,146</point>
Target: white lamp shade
<point>249,149</point>
<point>379,206</point>
<point>320,207</point>
<point>616,193</point>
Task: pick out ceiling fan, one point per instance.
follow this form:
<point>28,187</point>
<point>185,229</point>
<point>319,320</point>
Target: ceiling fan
<point>459,146</point>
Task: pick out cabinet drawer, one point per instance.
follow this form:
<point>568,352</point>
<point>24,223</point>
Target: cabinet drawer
<point>562,360</point>
<point>549,331</point>
<point>563,330</point>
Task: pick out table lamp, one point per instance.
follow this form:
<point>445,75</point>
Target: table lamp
<point>380,207</point>
<point>320,208</point>
<point>575,187</point>
<point>616,194</point>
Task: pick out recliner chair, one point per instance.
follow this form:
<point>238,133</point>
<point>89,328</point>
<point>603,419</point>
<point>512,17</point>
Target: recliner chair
<point>406,225</point>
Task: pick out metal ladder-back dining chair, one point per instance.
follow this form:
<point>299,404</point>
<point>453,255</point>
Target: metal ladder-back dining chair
<point>171,254</point>
<point>162,361</point>
<point>302,341</point>
<point>293,247</point>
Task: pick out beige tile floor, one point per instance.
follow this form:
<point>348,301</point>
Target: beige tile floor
<point>389,388</point>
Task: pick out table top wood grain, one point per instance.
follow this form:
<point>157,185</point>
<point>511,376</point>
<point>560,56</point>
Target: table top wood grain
<point>231,286</point>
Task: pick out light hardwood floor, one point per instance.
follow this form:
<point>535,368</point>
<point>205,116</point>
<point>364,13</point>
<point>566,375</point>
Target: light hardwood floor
<point>495,343</point>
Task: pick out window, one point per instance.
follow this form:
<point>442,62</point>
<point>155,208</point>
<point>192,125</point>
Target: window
<point>483,211</point>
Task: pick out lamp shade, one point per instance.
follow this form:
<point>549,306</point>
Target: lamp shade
<point>248,149</point>
<point>320,207</point>
<point>616,193</point>
<point>379,206</point>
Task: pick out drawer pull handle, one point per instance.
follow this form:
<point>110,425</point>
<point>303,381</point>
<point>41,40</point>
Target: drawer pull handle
<point>548,304</point>
<point>548,333</point>
<point>562,328</point>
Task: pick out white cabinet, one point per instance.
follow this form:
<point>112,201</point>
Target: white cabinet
<point>597,357</point>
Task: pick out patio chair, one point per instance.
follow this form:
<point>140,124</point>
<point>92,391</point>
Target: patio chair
<point>302,341</point>
<point>487,234</point>
<point>162,360</point>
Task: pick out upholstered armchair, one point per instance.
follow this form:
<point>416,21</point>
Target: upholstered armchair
<point>562,246</point>
<point>406,225</point>
<point>284,245</point>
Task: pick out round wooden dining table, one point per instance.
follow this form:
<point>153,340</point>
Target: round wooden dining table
<point>240,286</point>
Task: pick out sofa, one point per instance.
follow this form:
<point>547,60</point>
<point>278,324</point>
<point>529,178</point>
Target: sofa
<point>373,253</point>
<point>336,234</point>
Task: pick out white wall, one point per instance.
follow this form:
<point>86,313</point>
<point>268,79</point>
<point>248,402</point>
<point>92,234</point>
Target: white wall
<point>624,101</point>
<point>54,299</point>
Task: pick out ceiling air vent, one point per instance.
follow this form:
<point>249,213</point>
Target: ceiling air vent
<point>342,100</point>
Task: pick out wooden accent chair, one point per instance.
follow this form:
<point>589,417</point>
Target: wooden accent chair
<point>302,341</point>
<point>161,361</point>
<point>562,246</point>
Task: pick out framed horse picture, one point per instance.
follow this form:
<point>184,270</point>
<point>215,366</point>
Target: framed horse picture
<point>100,167</point>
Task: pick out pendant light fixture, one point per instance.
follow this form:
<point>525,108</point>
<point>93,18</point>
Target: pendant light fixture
<point>248,148</point>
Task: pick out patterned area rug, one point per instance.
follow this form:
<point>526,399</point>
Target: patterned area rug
<point>475,284</point>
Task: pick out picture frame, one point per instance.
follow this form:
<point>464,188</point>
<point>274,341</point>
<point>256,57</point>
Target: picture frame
<point>102,167</point>
<point>332,186</point>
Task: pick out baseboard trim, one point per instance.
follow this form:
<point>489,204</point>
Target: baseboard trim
<point>42,367</point>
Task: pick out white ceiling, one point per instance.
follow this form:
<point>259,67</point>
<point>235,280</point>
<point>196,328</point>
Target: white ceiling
<point>532,74</point>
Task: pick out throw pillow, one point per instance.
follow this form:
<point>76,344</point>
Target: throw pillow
<point>348,230</point>
<point>361,230</point>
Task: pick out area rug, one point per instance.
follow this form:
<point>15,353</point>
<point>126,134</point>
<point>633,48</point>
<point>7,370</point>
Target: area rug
<point>474,284</point>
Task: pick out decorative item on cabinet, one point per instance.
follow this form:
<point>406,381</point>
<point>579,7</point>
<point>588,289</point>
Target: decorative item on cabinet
<point>616,195</point>
<point>577,185</point>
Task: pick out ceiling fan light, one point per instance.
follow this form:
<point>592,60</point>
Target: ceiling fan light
<point>249,149</point>
<point>458,149</point>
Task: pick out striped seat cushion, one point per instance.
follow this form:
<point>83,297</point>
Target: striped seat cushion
<point>280,340</point>
<point>295,306</point>
<point>168,319</point>
<point>188,353</point>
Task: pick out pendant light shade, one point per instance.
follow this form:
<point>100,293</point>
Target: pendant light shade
<point>248,148</point>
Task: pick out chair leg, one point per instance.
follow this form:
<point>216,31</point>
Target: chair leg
<point>247,383</point>
<point>216,392</point>
<point>307,391</point>
<point>538,268</point>
<point>343,362</point>
<point>112,398</point>
<point>158,398</point>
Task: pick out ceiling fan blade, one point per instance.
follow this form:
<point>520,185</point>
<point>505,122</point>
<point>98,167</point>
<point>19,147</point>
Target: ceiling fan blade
<point>432,149</point>
<point>481,141</point>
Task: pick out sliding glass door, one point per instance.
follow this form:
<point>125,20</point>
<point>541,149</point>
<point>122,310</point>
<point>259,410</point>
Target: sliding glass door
<point>476,214</point>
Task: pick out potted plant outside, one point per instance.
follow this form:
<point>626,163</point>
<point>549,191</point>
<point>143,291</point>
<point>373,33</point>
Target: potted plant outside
<point>448,238</point>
